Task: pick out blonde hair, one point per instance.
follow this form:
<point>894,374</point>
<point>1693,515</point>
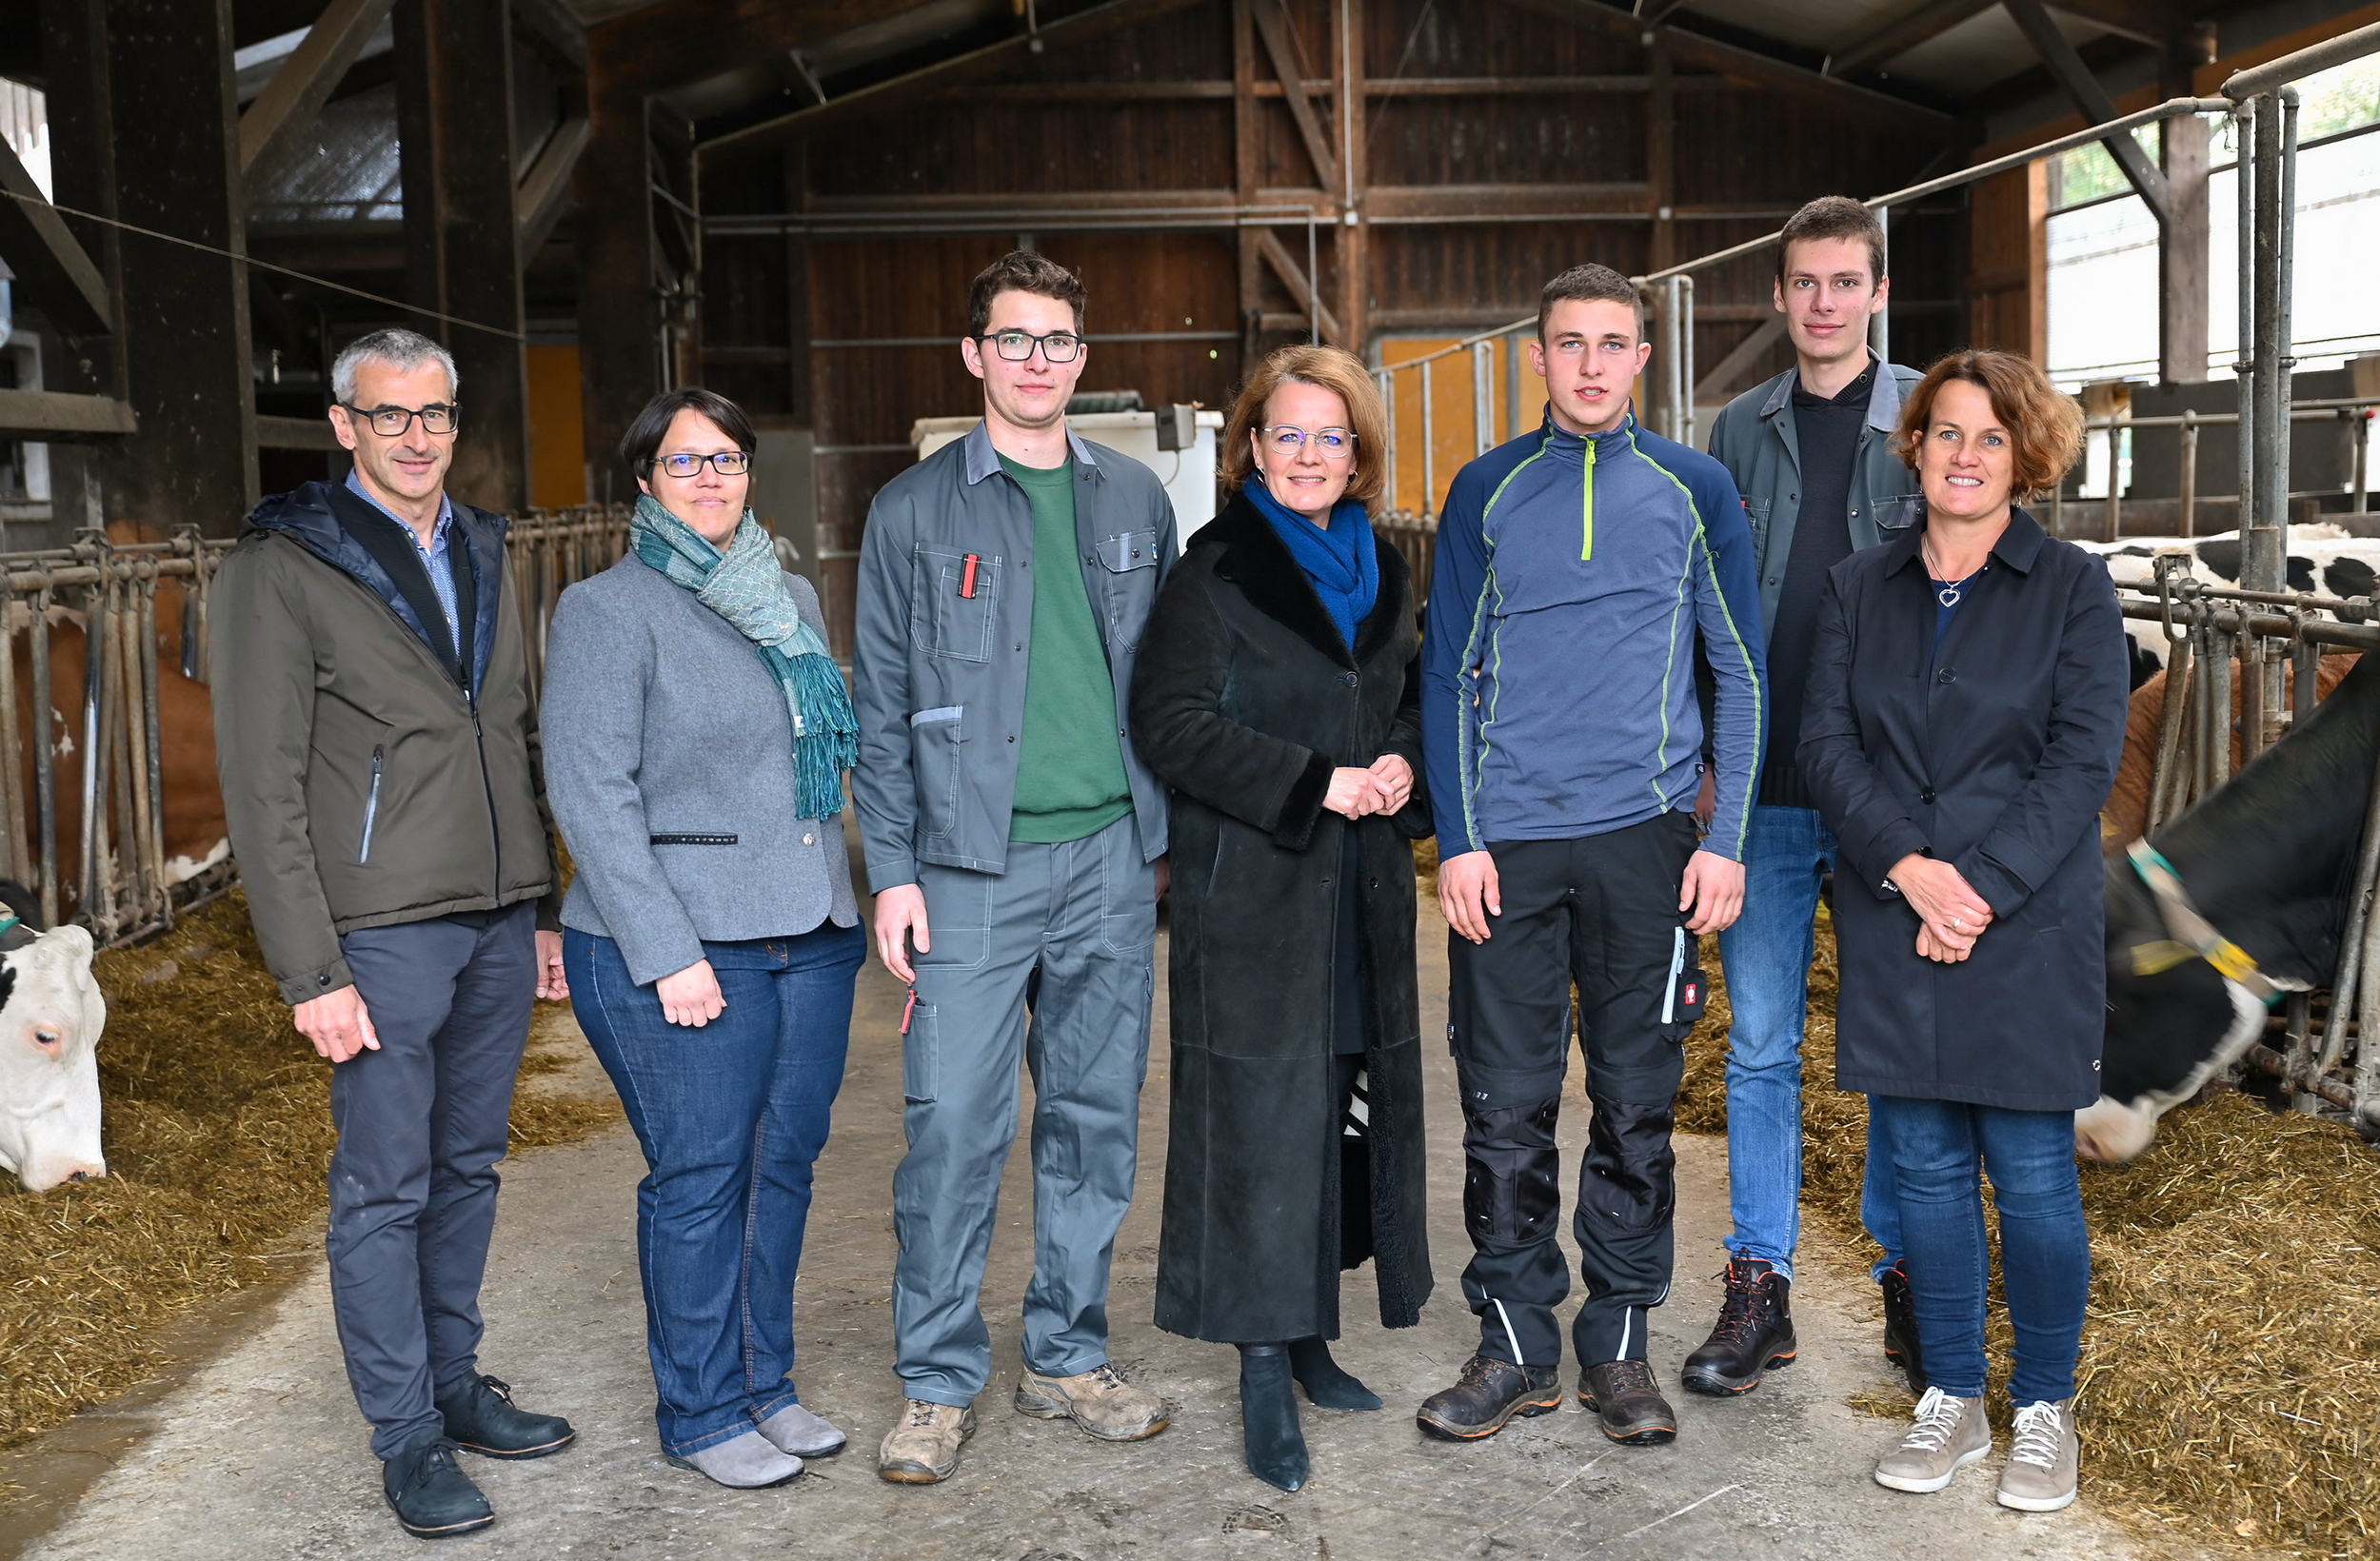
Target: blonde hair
<point>1330,369</point>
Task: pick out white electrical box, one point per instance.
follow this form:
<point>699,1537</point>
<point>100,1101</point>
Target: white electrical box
<point>1188,474</point>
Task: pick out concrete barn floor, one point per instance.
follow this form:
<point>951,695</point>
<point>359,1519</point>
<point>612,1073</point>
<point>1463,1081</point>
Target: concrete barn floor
<point>257,1449</point>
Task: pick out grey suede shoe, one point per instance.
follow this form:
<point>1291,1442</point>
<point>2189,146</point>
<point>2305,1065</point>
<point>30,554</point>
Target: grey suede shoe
<point>750,1462</point>
<point>2045,1461</point>
<point>1948,1435</point>
<point>795,1430</point>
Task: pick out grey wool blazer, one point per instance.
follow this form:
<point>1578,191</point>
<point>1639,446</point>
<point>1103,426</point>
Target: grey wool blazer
<point>670,767</point>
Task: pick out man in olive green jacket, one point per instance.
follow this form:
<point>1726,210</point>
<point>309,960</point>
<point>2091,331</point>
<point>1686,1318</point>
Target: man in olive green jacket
<point>376,742</point>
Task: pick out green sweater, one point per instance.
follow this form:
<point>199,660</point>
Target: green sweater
<point>1070,765</point>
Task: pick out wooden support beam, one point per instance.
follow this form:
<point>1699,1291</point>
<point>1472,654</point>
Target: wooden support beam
<point>82,141</point>
<point>2083,89</point>
<point>1452,203</point>
<point>1092,22</point>
<point>50,265</point>
<point>286,110</point>
<point>1374,86</point>
<point>1890,42</point>
<point>1726,376</point>
<point>463,229</point>
<point>187,355</point>
<point>1660,154</point>
<point>1293,277</point>
<point>1750,64</point>
<point>1246,174</point>
<point>545,188</point>
<point>1650,11</point>
<point>2184,237</point>
<point>555,29</point>
<point>52,414</point>
<point>1354,247</point>
<point>1279,48</point>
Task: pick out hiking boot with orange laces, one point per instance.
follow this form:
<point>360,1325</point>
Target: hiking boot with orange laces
<point>1488,1393</point>
<point>1754,1332</point>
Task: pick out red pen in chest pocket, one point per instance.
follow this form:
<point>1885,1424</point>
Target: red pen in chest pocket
<point>966,577</point>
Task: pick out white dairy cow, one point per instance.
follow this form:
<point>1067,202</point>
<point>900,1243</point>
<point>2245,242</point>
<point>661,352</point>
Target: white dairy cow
<point>51,1016</point>
<point>2322,559</point>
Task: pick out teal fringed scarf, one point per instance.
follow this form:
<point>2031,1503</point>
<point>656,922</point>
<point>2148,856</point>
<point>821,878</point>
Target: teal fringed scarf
<point>745,586</point>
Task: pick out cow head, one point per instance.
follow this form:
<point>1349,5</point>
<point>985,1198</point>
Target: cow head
<point>2168,1034</point>
<point>51,1016</point>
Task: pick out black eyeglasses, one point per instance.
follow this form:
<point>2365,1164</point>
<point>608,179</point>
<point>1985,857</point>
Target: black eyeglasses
<point>1058,347</point>
<point>391,422</point>
<point>728,462</point>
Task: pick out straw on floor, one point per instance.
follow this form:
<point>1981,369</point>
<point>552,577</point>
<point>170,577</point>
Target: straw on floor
<point>217,1133</point>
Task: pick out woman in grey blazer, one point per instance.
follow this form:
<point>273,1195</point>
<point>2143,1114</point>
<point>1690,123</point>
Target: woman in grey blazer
<point>696,736</point>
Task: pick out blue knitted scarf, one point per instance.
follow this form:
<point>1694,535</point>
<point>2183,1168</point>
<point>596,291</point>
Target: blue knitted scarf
<point>1340,560</point>
<point>745,586</point>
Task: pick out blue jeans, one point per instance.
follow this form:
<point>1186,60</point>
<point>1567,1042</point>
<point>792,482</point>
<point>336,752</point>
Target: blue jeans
<point>1766,956</point>
<point>731,1117</point>
<point>2045,1249</point>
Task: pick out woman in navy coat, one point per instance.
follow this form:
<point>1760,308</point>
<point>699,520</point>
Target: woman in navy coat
<point>1965,716</point>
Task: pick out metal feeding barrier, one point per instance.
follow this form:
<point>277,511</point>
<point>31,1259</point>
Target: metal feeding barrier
<point>84,753</point>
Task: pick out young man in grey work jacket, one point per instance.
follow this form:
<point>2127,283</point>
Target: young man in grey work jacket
<point>1811,451</point>
<point>1014,844</point>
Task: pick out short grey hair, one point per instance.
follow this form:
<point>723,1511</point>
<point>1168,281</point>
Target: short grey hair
<point>396,346</point>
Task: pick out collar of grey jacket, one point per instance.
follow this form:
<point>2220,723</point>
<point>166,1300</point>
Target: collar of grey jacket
<point>982,459</point>
<point>1884,400</point>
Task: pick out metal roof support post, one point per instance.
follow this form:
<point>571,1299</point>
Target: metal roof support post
<point>2247,369</point>
<point>1879,324</point>
<point>1686,359</point>
<point>1388,401</point>
<point>1482,397</point>
<point>1429,447</point>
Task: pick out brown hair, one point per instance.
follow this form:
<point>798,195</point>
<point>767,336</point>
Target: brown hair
<point>1835,217</point>
<point>1336,370</point>
<point>1022,270</point>
<point>2044,428</point>
<point>1589,283</point>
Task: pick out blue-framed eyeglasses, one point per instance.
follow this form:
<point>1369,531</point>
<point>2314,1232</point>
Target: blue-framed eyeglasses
<point>1331,444</point>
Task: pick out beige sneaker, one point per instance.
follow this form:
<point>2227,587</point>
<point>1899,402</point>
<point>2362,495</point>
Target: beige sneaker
<point>2044,1462</point>
<point>1099,1400</point>
<point>1948,1435</point>
<point>923,1448</point>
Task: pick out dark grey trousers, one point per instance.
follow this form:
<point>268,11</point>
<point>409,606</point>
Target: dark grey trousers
<point>421,1123</point>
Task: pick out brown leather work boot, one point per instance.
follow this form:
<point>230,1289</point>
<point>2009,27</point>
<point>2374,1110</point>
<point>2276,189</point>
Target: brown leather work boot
<point>923,1448</point>
<point>1622,1393</point>
<point>1099,1400</point>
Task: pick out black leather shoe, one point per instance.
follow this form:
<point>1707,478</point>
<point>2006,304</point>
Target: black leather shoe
<point>1754,1332</point>
<point>1900,1329</point>
<point>1488,1393</point>
<point>481,1418</point>
<point>1268,1418</point>
<point>430,1494</point>
<point>1329,1385</point>
<point>1633,1410</point>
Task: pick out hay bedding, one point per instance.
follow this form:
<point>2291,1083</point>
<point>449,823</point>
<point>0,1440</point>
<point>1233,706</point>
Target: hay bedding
<point>2231,1368</point>
<point>218,1139</point>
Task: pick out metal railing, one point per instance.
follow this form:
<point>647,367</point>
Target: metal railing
<point>84,776</point>
<point>2354,410</point>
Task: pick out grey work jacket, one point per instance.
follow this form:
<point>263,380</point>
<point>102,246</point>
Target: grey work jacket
<point>938,672</point>
<point>1756,440</point>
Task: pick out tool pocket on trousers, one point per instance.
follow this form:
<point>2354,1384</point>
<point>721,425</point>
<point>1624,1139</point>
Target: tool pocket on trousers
<point>920,1052</point>
<point>1687,991</point>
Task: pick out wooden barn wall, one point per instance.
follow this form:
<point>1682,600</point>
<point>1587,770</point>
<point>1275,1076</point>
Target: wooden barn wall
<point>1485,107</point>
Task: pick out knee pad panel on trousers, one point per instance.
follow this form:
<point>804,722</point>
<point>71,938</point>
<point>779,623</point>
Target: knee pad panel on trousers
<point>1627,1177</point>
<point>1512,1179</point>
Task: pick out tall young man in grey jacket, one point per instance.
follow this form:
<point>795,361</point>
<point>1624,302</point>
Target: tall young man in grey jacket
<point>377,746</point>
<point>1812,452</point>
<point>1015,845</point>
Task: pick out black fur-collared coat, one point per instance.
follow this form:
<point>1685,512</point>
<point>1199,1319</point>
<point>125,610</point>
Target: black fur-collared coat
<point>1245,700</point>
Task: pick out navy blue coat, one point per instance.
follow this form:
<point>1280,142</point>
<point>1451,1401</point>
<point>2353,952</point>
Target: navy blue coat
<point>1994,754</point>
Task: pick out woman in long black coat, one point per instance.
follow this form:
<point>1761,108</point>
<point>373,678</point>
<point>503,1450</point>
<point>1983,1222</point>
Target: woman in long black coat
<point>1964,719</point>
<point>1275,694</point>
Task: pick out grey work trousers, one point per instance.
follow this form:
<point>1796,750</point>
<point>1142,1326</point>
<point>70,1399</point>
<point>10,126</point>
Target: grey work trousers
<point>421,1123</point>
<point>1069,932</point>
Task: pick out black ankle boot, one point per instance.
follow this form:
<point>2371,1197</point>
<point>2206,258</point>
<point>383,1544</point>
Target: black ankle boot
<point>1754,1332</point>
<point>1327,1384</point>
<point>1268,1417</point>
<point>1900,1328</point>
<point>432,1498</point>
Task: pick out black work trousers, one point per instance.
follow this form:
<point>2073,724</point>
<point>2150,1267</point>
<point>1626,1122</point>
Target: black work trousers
<point>1601,912</point>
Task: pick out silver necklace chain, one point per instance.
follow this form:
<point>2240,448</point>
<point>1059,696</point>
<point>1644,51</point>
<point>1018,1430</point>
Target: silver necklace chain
<point>1948,592</point>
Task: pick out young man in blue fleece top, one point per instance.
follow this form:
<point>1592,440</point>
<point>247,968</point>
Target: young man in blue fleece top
<point>1576,567</point>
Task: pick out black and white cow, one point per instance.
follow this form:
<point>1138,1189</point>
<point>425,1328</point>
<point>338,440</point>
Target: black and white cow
<point>2323,559</point>
<point>51,1016</point>
<point>2269,860</point>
